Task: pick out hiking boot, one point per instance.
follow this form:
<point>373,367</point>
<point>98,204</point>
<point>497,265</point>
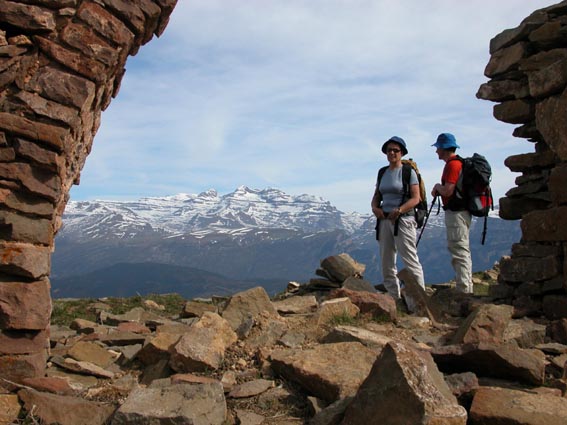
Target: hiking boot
<point>401,306</point>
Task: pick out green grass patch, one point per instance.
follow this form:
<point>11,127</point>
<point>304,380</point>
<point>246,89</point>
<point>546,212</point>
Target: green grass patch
<point>67,310</point>
<point>344,319</point>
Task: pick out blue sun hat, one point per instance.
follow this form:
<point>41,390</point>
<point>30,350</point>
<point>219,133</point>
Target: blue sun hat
<point>399,141</point>
<point>446,141</point>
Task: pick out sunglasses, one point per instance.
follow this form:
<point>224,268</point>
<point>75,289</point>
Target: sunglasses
<point>393,150</point>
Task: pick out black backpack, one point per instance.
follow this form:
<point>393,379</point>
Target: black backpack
<point>472,191</point>
<point>420,209</point>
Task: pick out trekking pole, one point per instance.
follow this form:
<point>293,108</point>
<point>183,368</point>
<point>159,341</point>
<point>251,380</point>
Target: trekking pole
<point>426,218</point>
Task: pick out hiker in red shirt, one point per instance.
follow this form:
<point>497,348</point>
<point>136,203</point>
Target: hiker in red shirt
<point>457,218</point>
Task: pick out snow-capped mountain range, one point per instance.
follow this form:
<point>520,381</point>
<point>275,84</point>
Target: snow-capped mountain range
<point>243,210</point>
<point>247,237</point>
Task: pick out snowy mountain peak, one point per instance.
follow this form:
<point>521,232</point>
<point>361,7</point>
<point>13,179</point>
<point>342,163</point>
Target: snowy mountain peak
<point>245,209</point>
<point>211,193</point>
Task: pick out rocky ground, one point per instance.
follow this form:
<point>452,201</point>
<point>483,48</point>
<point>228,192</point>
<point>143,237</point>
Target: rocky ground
<point>333,351</point>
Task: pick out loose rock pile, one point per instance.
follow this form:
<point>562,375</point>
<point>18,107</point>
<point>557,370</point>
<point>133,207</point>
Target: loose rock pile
<point>338,357</point>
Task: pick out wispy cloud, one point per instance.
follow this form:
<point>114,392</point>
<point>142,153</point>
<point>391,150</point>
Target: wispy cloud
<point>300,95</point>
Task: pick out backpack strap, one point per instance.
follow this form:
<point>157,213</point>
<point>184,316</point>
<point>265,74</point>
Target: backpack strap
<point>486,216</point>
<point>381,172</point>
<point>406,177</point>
<point>456,200</point>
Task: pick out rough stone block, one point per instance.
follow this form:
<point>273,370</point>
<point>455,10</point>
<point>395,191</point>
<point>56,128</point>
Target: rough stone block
<point>514,112</point>
<point>555,306</point>
<point>106,24</point>
<point>516,208</point>
<point>29,261</point>
<point>49,109</point>
<point>511,36</point>
<point>26,204</point>
<point>404,387</point>
<point>486,324</point>
<point>542,60</point>
<point>63,87</point>
<point>552,123</point>
<point>92,69</point>
<point>492,405</point>
<point>9,408</point>
<point>501,90</point>
<point>40,182</point>
<point>557,185</point>
<point>20,228</point>
<point>23,342</point>
<point>535,250</point>
<point>24,306</point>
<point>505,59</point>
<point>528,161</point>
<point>16,368</point>
<point>549,34</point>
<point>7,154</point>
<point>90,44</point>
<point>66,410</point>
<point>549,80</point>
<point>545,226</point>
<point>44,133</point>
<point>526,269</point>
<point>27,17</point>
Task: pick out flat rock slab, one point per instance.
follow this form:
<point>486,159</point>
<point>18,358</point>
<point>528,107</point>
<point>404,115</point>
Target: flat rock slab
<point>196,404</point>
<point>65,410</point>
<point>91,352</point>
<point>249,418</point>
<point>344,333</point>
<point>493,405</point>
<point>505,361</point>
<point>328,371</point>
<point>297,305</point>
<point>251,388</point>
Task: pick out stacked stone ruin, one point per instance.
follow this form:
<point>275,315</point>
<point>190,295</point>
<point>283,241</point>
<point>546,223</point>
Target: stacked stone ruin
<point>528,72</point>
<point>61,63</point>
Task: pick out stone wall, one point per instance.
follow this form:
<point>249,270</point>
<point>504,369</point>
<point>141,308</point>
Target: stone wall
<point>61,63</point>
<point>528,72</point>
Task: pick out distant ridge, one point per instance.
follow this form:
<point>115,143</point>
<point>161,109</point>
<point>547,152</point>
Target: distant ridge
<point>129,279</point>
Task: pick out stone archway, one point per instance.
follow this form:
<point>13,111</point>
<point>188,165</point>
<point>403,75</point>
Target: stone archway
<point>61,63</point>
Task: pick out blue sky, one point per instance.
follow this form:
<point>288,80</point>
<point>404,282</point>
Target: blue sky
<point>299,95</point>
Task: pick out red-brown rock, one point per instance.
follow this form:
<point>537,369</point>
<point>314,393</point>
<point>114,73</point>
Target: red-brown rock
<point>24,305</point>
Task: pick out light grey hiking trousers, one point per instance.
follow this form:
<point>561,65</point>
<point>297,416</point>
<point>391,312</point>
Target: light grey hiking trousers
<point>404,244</point>
<point>458,225</point>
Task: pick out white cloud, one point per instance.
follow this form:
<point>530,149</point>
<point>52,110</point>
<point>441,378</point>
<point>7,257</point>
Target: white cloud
<point>300,95</point>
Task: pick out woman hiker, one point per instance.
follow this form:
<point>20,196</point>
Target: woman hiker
<point>396,221</point>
